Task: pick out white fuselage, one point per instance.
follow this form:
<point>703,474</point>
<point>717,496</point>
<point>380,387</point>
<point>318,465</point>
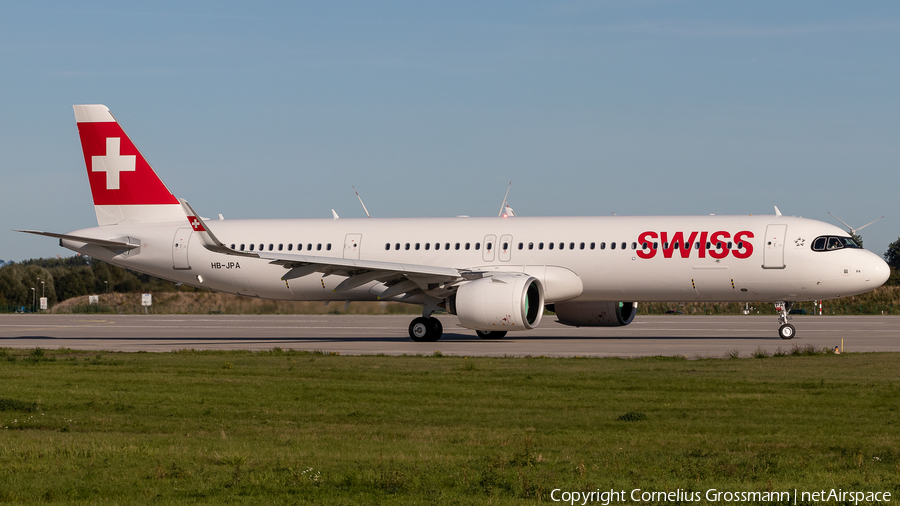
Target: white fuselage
<point>752,258</point>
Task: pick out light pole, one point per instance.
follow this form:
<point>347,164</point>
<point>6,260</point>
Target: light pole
<point>33,295</point>
<point>42,294</point>
<point>107,287</point>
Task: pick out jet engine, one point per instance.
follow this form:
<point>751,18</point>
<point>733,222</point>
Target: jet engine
<point>595,314</point>
<point>501,302</point>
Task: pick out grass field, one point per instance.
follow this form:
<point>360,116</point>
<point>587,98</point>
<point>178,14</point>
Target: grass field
<point>304,428</point>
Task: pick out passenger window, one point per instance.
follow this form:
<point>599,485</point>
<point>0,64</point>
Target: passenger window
<point>582,246</point>
<point>572,245</point>
<point>397,246</point>
<point>696,245</point>
<point>387,246</point>
<point>623,245</point>
<point>328,247</point>
<point>634,245</point>
<point>612,245</point>
<point>427,245</point>
<point>531,246</point>
<point>467,246</point>
<point>309,247</point>
<point>262,247</point>
<point>729,244</point>
<point>280,247</point>
<point>645,246</point>
<point>456,246</point>
<point>550,245</point>
<point>407,247</point>
<point>251,247</point>
<point>242,247</point>
<point>319,247</point>
<point>540,245</point>
<point>562,245</point>
<point>602,245</point>
<point>490,246</point>
<point>655,245</point>
<point>592,245</point>
<point>417,246</point>
<point>477,246</point>
<point>708,245</point>
<point>291,247</point>
<point>447,246</point>
<point>505,246</point>
<point>437,246</point>
<point>521,245</point>
<point>232,246</point>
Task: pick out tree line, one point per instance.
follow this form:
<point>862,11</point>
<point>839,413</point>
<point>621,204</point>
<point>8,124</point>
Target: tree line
<point>64,278</point>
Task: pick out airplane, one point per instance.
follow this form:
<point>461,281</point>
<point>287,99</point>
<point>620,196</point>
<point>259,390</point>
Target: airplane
<point>494,273</point>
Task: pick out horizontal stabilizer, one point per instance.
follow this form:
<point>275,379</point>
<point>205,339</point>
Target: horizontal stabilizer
<point>90,240</point>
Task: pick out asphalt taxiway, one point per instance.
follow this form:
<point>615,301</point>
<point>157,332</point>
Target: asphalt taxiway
<point>690,336</point>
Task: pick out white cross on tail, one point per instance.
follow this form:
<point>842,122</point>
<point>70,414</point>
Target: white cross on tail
<point>113,163</point>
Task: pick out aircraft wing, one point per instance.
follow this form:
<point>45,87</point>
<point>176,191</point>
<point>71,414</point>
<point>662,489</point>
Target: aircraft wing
<point>399,278</point>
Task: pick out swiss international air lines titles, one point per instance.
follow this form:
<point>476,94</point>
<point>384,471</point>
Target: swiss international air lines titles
<point>715,245</point>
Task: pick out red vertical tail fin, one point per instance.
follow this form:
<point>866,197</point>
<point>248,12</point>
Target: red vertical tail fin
<point>124,186</point>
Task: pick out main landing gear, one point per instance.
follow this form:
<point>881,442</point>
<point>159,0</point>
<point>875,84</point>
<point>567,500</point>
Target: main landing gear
<point>786,331</point>
<point>425,329</point>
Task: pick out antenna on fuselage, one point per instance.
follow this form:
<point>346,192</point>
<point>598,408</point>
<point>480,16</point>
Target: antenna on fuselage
<point>850,229</point>
<point>360,201</point>
<point>505,210</point>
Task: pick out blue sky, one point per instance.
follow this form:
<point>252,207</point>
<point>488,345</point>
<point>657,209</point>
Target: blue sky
<point>430,109</point>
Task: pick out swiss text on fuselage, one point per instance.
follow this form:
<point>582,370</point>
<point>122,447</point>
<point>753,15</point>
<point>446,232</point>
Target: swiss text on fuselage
<point>716,245</point>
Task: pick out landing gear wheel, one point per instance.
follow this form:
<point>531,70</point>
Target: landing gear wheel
<point>787,331</point>
<point>488,334</point>
<point>425,330</point>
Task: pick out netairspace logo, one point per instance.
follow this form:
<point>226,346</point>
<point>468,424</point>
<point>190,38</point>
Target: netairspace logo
<point>607,497</point>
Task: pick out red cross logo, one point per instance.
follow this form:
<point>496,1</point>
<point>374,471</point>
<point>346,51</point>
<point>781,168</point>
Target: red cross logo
<point>195,224</point>
<point>113,163</point>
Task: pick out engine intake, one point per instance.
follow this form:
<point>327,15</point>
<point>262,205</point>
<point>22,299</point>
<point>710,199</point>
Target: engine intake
<point>595,314</point>
<point>502,302</point>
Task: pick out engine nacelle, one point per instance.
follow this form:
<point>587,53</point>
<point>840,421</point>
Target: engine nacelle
<point>595,314</point>
<point>502,302</point>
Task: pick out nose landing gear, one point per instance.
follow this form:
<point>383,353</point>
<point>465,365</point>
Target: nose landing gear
<point>786,331</point>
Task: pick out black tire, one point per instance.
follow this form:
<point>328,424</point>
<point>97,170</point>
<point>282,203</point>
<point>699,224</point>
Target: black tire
<point>787,331</point>
<point>425,330</point>
<point>437,327</point>
<point>489,334</point>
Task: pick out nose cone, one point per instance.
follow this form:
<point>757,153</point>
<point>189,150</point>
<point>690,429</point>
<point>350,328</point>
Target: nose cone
<point>877,271</point>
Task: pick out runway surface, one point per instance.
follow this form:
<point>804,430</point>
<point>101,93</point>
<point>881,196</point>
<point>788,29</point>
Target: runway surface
<point>691,336</point>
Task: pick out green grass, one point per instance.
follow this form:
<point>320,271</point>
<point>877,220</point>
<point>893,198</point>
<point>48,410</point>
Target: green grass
<point>286,428</point>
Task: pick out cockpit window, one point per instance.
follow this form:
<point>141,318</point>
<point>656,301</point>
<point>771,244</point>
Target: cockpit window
<point>831,243</point>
